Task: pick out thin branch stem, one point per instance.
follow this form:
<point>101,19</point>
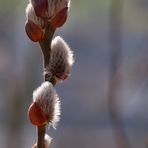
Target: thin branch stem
<point>41,134</point>
<point>45,45</point>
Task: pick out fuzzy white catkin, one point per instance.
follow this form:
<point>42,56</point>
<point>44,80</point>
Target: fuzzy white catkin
<point>46,97</point>
<point>54,6</point>
<point>47,140</point>
<point>30,15</point>
<point>61,59</point>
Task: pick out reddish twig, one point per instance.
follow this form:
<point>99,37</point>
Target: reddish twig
<point>45,45</point>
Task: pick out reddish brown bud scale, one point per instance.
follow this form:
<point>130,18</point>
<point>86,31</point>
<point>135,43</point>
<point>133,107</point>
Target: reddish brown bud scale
<point>34,32</point>
<point>36,115</point>
<point>40,7</point>
<point>60,18</point>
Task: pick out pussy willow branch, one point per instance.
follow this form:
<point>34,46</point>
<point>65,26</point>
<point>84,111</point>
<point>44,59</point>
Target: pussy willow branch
<point>45,45</point>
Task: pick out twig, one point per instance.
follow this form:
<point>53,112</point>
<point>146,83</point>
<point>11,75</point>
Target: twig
<point>41,134</point>
<point>45,45</point>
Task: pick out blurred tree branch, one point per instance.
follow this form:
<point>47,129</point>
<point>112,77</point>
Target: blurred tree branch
<point>116,9</point>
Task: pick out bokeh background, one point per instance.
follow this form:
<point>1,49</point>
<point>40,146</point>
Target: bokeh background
<point>105,100</point>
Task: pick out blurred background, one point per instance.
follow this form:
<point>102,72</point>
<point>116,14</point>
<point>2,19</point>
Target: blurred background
<point>105,100</point>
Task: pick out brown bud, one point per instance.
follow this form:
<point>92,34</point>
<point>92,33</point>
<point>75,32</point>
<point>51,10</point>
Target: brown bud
<point>60,18</point>
<point>40,7</point>
<point>34,32</point>
<point>36,115</point>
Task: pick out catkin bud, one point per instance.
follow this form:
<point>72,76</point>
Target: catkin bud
<point>60,18</point>
<point>47,142</point>
<point>61,59</point>
<point>58,11</point>
<point>55,6</point>
<point>40,7</point>
<point>34,25</point>
<point>31,15</point>
<point>34,32</point>
<point>49,8</point>
<point>45,107</point>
